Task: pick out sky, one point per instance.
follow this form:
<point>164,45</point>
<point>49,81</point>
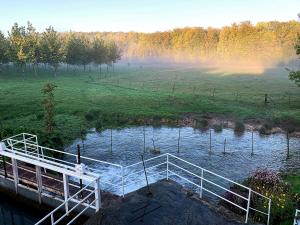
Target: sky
<point>142,15</point>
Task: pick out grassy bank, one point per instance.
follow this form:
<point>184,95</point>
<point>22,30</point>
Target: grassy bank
<point>87,99</point>
<point>293,179</point>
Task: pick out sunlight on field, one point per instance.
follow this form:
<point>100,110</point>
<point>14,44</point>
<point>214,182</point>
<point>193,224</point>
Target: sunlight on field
<point>226,70</point>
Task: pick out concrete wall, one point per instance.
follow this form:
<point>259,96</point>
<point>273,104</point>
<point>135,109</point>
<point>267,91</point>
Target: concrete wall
<point>7,185</point>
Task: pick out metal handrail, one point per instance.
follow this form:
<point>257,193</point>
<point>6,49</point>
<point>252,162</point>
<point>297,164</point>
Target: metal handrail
<point>297,213</point>
<point>42,148</point>
<point>72,198</point>
<point>130,171</point>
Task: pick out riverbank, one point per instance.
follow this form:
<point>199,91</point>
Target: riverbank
<point>139,96</point>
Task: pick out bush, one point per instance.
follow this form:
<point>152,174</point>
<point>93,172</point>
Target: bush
<point>91,115</point>
<point>270,184</point>
<point>265,129</point>
<point>218,128</point>
<point>99,125</point>
<point>202,123</point>
<point>239,127</point>
<point>5,133</point>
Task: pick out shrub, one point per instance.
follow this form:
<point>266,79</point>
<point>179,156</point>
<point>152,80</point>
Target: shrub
<point>270,184</point>
<point>6,132</point>
<point>239,127</point>
<point>202,123</point>
<point>265,129</point>
<point>99,125</point>
<point>91,115</point>
<point>218,128</point>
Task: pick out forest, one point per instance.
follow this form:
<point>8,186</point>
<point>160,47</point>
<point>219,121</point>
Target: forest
<point>264,44</point>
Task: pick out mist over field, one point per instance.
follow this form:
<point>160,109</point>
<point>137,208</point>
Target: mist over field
<point>239,48</point>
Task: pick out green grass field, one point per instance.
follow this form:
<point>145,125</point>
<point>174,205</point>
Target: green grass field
<point>135,92</point>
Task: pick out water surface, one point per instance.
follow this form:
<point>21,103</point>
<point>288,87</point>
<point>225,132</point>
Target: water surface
<point>237,162</point>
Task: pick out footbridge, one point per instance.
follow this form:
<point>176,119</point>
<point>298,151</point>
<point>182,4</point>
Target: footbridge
<point>81,183</point>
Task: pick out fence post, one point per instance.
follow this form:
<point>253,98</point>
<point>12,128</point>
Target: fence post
<point>111,141</point>
<point>210,140</point>
<point>144,134</point>
<point>123,192</point>
<point>66,191</point>
<point>97,194</point>
<point>288,143</point>
<point>178,144</point>
<point>167,166</point>
<point>201,183</point>
<point>4,166</point>
<point>15,173</point>
<point>25,145</point>
<point>39,183</point>
<point>248,206</point>
<point>252,148</point>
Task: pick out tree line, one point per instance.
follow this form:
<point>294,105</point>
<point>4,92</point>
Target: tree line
<point>266,43</point>
<point>25,47</point>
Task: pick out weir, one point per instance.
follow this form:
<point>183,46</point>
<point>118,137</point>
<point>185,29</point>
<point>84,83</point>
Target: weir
<point>56,174</point>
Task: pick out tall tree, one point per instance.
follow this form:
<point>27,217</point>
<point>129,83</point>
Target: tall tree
<point>51,48</point>
<point>32,46</point>
<point>77,50</point>
<point>17,46</point>
<point>86,57</point>
<point>4,50</point>
<point>48,103</point>
<point>113,54</point>
<point>98,52</point>
<point>295,75</point>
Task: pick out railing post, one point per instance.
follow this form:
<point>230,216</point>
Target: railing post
<point>52,219</point>
<point>39,183</point>
<point>97,194</point>
<point>269,212</point>
<point>25,144</point>
<point>123,192</point>
<point>201,184</point>
<point>248,206</point>
<point>4,166</point>
<point>167,167</point>
<point>66,191</point>
<point>15,173</point>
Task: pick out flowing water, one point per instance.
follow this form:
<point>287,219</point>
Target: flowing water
<point>125,146</point>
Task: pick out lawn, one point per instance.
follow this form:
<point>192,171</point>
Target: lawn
<point>138,92</point>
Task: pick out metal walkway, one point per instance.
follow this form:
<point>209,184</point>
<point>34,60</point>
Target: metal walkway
<point>23,149</point>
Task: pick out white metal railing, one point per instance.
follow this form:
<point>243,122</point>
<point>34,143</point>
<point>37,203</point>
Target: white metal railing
<point>205,176</point>
<point>19,143</point>
<point>297,219</point>
<point>89,199</point>
<point>166,166</point>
